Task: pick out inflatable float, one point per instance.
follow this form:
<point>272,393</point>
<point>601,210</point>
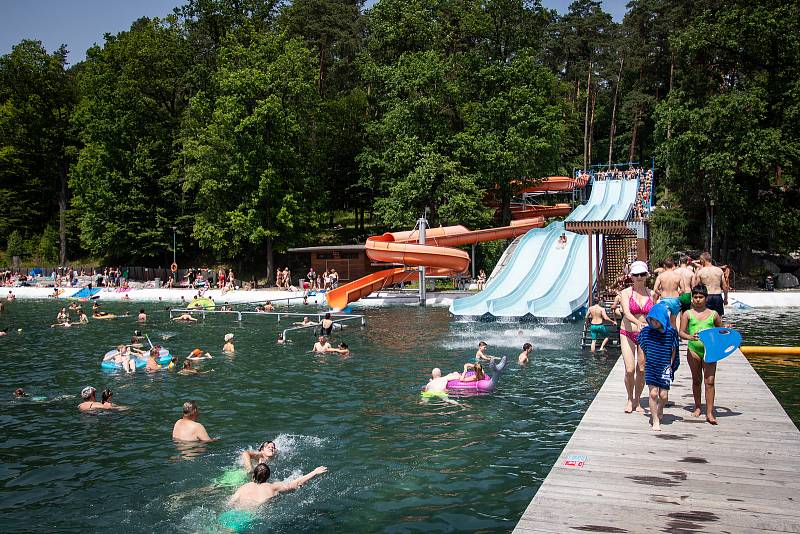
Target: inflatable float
<point>164,357</point>
<point>486,385</point>
<point>201,302</point>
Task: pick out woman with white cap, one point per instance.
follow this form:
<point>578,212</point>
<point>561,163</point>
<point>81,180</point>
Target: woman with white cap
<point>90,402</point>
<point>228,344</point>
<point>636,302</point>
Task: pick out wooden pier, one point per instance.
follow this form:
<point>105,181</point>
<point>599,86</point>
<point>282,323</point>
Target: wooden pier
<point>617,475</point>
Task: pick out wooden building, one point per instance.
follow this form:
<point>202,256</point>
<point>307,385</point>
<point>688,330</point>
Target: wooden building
<point>350,261</point>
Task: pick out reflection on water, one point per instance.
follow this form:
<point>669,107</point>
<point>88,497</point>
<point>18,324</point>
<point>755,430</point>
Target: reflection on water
<point>395,463</point>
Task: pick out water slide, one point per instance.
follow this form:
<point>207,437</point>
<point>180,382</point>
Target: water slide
<point>401,248</point>
<point>542,280</point>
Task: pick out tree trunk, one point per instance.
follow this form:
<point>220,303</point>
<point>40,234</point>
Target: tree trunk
<point>62,217</point>
<point>633,135</point>
<point>586,120</point>
<point>270,261</point>
<point>614,115</point>
<point>591,124</point>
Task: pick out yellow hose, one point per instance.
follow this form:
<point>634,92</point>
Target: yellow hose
<point>754,350</point>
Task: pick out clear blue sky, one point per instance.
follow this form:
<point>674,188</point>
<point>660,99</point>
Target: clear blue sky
<point>81,23</point>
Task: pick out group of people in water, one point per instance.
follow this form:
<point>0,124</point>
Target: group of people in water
<point>472,371</point>
<point>259,490</point>
<point>684,301</point>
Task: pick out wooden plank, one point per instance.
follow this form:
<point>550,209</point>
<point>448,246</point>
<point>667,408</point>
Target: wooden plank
<point>738,476</point>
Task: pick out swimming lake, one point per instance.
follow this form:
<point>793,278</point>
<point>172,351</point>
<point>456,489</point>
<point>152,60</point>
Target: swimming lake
<point>396,464</point>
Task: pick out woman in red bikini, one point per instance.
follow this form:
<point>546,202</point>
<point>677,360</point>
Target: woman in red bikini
<point>636,302</point>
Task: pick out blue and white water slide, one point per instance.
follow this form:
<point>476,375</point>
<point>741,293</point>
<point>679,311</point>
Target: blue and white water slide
<point>541,280</point>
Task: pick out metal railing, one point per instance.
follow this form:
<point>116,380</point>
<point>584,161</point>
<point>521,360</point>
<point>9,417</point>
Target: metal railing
<point>335,318</point>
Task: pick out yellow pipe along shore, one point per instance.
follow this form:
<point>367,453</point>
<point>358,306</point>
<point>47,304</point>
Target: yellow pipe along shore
<point>757,350</point>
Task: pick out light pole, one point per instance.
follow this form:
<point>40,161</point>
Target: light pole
<point>173,243</point>
<point>711,244</point>
<point>174,274</point>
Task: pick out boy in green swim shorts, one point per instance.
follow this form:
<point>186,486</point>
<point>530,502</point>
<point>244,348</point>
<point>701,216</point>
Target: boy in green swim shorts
<point>597,314</point>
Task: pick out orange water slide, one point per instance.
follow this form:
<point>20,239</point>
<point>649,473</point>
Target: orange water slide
<point>401,247</point>
<point>557,183</point>
<point>527,211</point>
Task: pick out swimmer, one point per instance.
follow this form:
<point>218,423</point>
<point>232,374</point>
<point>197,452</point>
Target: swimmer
<point>189,370</point>
<point>268,307</point>
<point>187,428</point>
<point>126,297</point>
<point>82,318</point>
<point>228,347</point>
<point>142,317</point>
<point>106,400</point>
<point>11,297</point>
<point>152,363</point>
<point>186,317</point>
<point>4,332</point>
<point>343,349</point>
<point>326,326</point>
<point>322,346</point>
<point>527,348</point>
<point>65,324</point>
<point>198,355</point>
<point>62,317</point>
<point>89,396</point>
<point>265,452</point>
<point>481,356</point>
<point>438,383</point>
<point>259,491</point>
<point>96,312</point>
<point>123,358</point>
<point>19,393</point>
<point>281,341</point>
<point>305,322</point>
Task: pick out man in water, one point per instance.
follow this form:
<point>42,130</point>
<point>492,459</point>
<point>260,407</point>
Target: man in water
<point>256,493</point>
<point>187,317</point>
<point>597,314</point>
<point>322,345</point>
<point>142,317</point>
<point>714,280</point>
<point>668,287</point>
<point>187,428</point>
<point>438,383</point>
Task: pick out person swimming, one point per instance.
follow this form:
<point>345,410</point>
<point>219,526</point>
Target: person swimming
<point>255,493</point>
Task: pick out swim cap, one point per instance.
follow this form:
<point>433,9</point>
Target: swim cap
<point>197,352</point>
<point>87,392</point>
<point>228,337</point>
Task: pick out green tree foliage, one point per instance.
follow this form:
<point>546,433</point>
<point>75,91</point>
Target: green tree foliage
<point>37,97</point>
<point>132,97</point>
<point>47,250</point>
<point>15,246</point>
<point>245,150</point>
<point>248,123</point>
<point>728,133</point>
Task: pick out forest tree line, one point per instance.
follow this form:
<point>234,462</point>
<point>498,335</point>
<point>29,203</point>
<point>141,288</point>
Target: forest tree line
<point>249,124</point>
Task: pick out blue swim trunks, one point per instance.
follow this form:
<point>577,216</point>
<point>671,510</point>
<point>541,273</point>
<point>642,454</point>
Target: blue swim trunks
<point>673,305</point>
<point>598,331</point>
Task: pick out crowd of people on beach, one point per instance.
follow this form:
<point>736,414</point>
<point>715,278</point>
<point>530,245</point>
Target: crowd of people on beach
<point>686,298</point>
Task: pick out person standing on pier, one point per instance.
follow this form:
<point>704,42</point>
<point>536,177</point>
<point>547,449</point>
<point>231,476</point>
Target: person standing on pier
<point>713,278</point>
<point>668,288</point>
<point>686,273</point>
<point>693,321</point>
<point>636,303</point>
<point>660,343</point>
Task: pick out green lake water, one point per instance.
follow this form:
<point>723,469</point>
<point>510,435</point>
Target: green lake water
<point>395,464</point>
